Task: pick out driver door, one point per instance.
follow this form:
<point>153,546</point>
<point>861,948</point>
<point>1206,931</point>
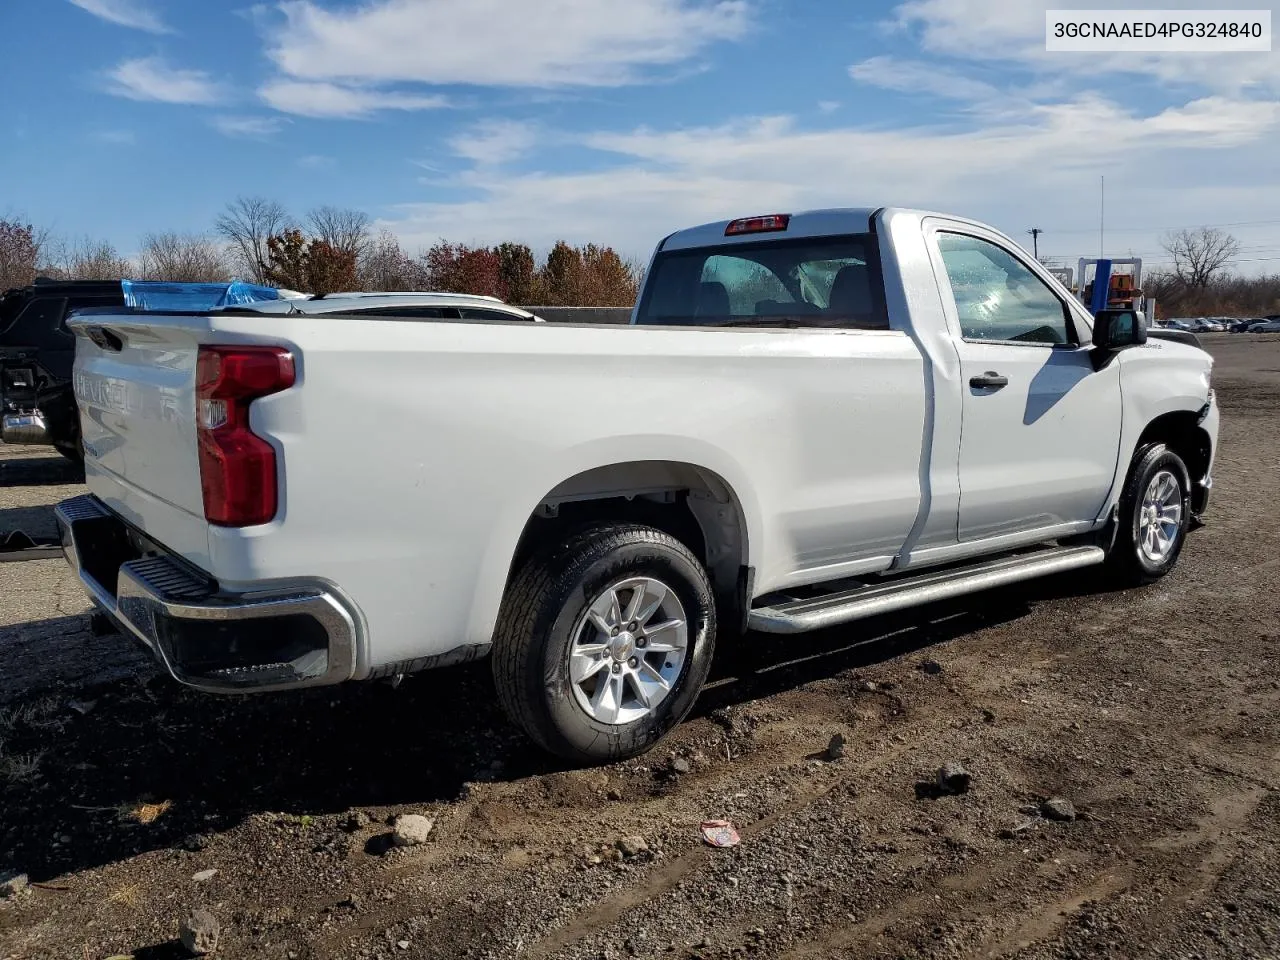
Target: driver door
<point>1040,429</point>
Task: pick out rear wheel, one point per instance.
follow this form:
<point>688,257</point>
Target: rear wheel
<point>604,641</point>
<point>1153,518</point>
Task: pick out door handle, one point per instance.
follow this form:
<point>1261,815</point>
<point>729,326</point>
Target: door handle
<point>990,379</point>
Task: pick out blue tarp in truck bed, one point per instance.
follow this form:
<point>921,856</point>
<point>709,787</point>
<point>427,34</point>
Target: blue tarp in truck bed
<point>158,295</point>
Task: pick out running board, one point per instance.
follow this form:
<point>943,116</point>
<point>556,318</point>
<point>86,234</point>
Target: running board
<point>814,613</point>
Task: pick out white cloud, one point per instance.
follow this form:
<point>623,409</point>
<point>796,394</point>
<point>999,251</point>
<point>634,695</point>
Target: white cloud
<point>316,161</point>
<point>493,142</point>
<point>248,127</point>
<point>977,28</point>
<point>1042,165</point>
<point>499,42</point>
<point>916,76</point>
<point>150,78</point>
<point>320,99</point>
<point>1013,31</point>
<point>1027,146</point>
<point>125,13</point>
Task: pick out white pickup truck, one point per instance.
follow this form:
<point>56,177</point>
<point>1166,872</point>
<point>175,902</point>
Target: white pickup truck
<point>811,419</point>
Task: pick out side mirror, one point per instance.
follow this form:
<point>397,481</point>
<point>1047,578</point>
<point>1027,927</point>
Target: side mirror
<point>1113,331</point>
<point>1116,329</point>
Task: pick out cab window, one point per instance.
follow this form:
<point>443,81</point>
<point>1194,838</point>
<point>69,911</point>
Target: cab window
<point>999,298</point>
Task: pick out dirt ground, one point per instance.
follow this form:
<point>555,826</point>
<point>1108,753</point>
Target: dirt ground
<point>1152,711</point>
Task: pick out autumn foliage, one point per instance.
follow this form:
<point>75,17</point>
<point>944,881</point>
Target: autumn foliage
<point>569,276</point>
<point>311,265</point>
<point>328,250</point>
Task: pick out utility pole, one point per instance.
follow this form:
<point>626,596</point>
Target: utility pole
<point>1035,241</point>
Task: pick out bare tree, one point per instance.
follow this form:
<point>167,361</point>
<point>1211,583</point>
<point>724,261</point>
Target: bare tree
<point>385,266</point>
<point>20,245</point>
<point>85,259</point>
<point>1199,255</point>
<point>342,229</point>
<point>246,225</point>
<point>183,257</point>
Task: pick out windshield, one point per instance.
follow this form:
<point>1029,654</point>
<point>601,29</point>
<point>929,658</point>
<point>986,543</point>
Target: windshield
<point>822,282</point>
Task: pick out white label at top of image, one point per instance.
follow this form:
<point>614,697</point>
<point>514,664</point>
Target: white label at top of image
<point>1158,31</point>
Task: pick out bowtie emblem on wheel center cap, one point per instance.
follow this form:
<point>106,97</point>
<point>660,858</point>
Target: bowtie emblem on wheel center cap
<point>622,646</point>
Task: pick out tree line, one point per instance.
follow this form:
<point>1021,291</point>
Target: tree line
<point>1200,284</point>
<point>333,248</point>
<point>329,249</point>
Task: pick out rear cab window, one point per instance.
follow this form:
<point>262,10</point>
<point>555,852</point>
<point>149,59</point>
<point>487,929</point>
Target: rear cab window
<point>825,282</point>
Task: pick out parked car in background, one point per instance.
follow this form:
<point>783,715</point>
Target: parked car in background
<point>37,349</point>
<point>409,305</point>
<point>36,352</point>
<point>811,419</point>
<point>1266,326</point>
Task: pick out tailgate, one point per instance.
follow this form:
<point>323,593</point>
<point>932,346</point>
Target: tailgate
<point>134,382</point>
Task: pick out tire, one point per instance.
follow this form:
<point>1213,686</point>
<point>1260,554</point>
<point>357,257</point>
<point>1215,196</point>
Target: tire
<point>1137,556</point>
<point>548,612</point>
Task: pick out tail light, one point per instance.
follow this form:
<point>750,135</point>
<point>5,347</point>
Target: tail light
<point>237,467</point>
<point>773,223</point>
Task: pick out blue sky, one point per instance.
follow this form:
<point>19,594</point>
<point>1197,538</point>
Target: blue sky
<point>618,121</point>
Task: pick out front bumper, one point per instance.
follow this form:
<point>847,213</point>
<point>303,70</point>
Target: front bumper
<point>206,637</point>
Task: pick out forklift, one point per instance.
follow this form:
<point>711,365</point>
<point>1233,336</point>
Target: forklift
<point>1107,284</point>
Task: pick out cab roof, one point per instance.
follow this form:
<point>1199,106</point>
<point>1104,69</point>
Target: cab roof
<point>808,223</point>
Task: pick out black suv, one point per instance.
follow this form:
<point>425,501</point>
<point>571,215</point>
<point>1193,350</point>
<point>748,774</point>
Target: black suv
<point>37,350</point>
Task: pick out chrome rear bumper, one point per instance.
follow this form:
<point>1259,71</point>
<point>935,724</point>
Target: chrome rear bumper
<point>207,638</point>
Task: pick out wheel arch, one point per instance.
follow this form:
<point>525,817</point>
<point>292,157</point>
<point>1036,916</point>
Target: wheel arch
<point>1182,433</point>
<point>699,497</point>
<point>691,502</point>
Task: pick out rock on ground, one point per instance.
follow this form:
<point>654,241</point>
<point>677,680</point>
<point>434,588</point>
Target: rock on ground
<point>953,778</point>
<point>199,932</point>
<point>411,830</point>
<point>633,846</point>
<point>835,749</point>
<point>13,884</point>
<point>1056,808</point>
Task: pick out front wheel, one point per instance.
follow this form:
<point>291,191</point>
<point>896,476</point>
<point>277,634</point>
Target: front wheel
<point>1153,518</point>
<point>604,641</point>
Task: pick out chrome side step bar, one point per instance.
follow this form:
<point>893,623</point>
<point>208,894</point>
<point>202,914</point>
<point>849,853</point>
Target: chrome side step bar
<point>815,613</point>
